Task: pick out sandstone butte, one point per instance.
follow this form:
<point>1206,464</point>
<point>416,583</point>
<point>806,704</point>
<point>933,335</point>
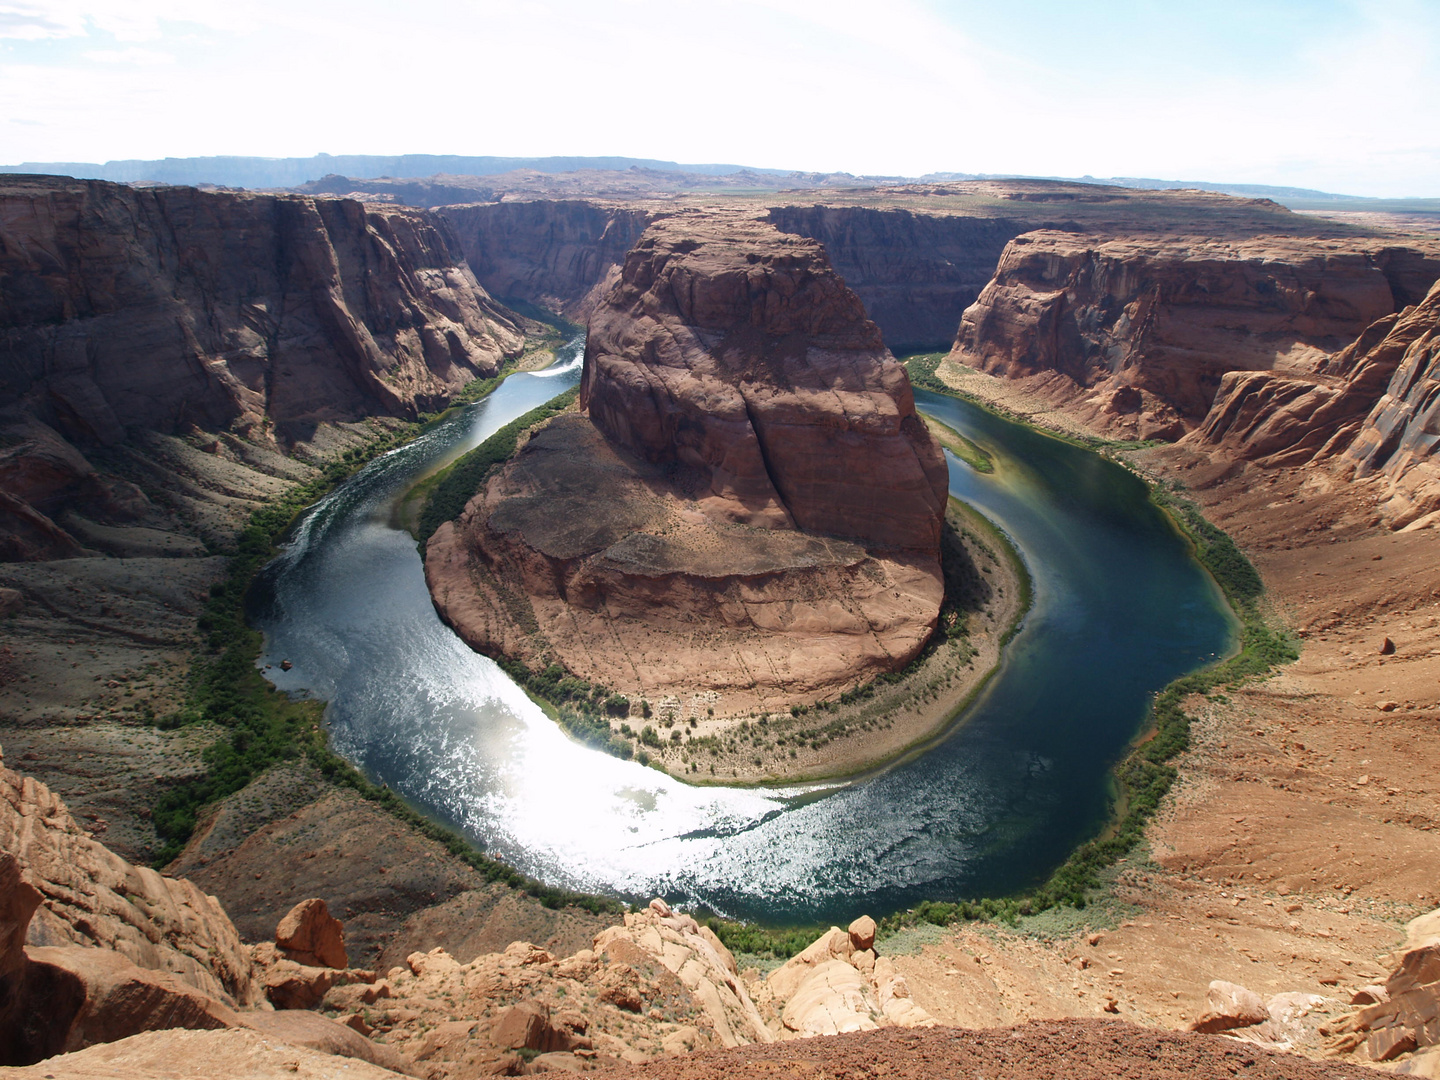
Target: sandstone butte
<point>746,513</point>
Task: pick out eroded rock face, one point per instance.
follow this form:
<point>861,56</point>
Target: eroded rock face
<point>1163,320</point>
<point>91,897</point>
<point>168,306</point>
<point>1371,408</point>
<point>1397,439</point>
<point>562,254</point>
<point>838,984</point>
<point>751,508</point>
<point>735,349</point>
<point>171,309</point>
<point>914,272</point>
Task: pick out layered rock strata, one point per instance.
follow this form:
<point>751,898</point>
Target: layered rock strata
<point>1138,333</point>
<point>1370,409</point>
<point>917,255</point>
<point>751,508</point>
<point>734,349</point>
<point>171,309</point>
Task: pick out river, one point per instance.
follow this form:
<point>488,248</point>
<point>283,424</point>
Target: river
<point>1120,609</point>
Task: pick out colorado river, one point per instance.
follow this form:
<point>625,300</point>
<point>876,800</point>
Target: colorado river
<point>1120,609</point>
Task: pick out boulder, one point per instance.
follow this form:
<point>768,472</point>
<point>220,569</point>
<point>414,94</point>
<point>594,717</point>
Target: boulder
<point>862,932</point>
<point>1229,1006</point>
<point>528,1025</point>
<point>310,935</point>
<point>521,1027</point>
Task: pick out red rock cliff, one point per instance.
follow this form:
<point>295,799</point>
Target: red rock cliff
<point>169,306</point>
<point>1156,323</point>
<point>1371,409</point>
<point>169,309</point>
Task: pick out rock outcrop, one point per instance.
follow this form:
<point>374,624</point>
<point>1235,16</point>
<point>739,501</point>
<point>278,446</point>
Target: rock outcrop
<point>1229,1006</point>
<point>93,899</point>
<point>1369,408</point>
<point>752,507</point>
<point>1144,330</point>
<point>839,984</point>
<point>94,950</point>
<point>171,309</point>
<point>1404,1015</point>
<point>734,349</point>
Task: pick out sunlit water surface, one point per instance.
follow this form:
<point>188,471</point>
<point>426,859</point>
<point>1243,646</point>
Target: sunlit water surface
<point>1120,609</point>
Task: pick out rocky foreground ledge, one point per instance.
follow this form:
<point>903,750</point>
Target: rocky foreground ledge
<point>745,517</point>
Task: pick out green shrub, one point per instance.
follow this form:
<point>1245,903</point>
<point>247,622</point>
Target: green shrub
<point>458,483</point>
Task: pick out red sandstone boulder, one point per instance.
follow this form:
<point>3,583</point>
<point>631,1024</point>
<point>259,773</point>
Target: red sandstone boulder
<point>1229,1006</point>
<point>862,933</point>
<point>529,1026</point>
<point>311,936</point>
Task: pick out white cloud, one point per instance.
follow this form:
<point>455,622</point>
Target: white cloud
<point>24,21</point>
<point>145,57</point>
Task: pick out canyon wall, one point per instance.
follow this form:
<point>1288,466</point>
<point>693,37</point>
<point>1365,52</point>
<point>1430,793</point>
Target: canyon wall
<point>751,507</point>
<point>560,255</point>
<point>1371,409</point>
<point>172,309</point>
<point>915,272</point>
<point>167,307</point>
<point>1154,323</point>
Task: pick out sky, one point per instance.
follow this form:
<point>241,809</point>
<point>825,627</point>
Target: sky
<point>1339,95</point>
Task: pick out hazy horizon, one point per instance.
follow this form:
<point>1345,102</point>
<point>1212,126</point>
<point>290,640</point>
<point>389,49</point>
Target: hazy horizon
<point>1332,95</point>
